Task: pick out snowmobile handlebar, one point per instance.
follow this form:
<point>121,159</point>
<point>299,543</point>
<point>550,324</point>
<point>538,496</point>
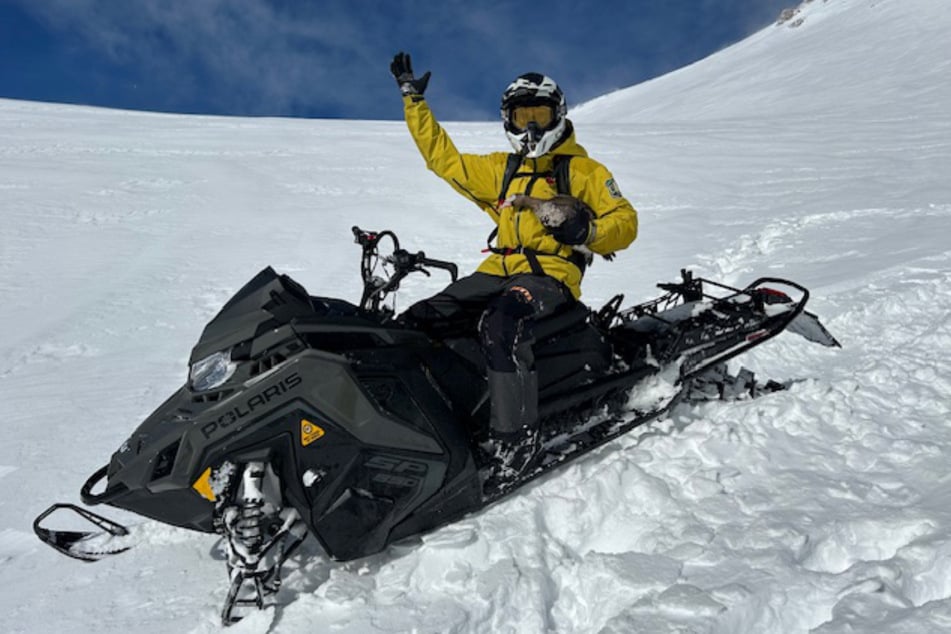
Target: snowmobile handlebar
<point>403,260</point>
<point>375,289</point>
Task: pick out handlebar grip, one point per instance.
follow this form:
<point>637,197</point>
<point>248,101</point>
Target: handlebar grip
<point>359,235</point>
<point>441,264</point>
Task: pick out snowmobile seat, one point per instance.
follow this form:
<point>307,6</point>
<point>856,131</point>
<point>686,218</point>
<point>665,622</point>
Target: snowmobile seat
<point>566,334</point>
<point>663,320</point>
<point>569,351</point>
<point>570,318</point>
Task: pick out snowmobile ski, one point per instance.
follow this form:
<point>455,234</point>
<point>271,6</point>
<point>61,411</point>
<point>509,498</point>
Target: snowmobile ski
<point>84,545</point>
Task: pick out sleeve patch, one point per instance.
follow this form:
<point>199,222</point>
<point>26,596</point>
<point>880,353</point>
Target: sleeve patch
<point>613,189</point>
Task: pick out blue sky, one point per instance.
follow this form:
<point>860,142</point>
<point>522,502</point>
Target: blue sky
<point>330,59</point>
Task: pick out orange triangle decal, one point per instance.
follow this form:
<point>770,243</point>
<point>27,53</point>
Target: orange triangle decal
<point>309,432</point>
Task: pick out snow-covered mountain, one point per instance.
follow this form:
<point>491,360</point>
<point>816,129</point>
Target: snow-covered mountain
<point>819,149</point>
<point>825,59</point>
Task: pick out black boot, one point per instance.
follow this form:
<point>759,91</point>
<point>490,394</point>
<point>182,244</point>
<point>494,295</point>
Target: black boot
<point>513,399</point>
<point>512,455</point>
<point>513,422</point>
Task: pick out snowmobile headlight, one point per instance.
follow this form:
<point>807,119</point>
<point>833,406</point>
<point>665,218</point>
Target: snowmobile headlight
<point>212,371</point>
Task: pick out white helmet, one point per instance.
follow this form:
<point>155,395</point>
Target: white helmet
<point>533,111</point>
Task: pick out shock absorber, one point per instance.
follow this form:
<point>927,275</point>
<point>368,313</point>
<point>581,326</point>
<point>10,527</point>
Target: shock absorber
<point>260,535</point>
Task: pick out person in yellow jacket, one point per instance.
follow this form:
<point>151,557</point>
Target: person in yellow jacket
<point>553,207</point>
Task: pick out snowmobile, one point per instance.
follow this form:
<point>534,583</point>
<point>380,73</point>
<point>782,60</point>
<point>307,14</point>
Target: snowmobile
<point>313,416</point>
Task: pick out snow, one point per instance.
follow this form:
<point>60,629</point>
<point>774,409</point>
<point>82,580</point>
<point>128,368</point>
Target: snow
<point>818,152</point>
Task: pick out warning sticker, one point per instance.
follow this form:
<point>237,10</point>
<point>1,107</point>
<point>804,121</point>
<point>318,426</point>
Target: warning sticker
<point>309,432</point>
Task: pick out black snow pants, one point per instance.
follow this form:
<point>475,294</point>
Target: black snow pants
<point>504,310</point>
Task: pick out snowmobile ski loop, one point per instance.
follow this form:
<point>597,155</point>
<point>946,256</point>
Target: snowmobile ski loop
<point>111,492</point>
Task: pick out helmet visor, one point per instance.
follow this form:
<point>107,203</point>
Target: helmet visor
<point>523,115</point>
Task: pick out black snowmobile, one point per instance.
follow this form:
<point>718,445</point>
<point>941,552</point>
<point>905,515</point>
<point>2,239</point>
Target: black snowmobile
<point>310,415</point>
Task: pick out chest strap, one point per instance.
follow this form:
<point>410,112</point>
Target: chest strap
<point>559,173</point>
<point>577,258</point>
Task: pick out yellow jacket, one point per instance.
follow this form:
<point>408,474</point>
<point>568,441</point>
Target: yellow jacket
<point>479,178</point>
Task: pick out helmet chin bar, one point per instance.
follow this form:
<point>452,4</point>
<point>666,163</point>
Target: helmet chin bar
<point>534,142</point>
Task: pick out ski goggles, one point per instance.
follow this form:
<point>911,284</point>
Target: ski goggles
<point>542,116</point>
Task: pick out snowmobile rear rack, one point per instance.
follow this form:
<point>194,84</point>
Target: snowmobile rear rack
<point>684,313</point>
<point>691,289</point>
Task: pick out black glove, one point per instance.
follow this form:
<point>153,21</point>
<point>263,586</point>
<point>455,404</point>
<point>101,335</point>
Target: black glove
<point>402,69</point>
<point>575,228</point>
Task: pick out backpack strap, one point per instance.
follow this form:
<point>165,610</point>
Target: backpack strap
<point>511,166</point>
<point>563,185</point>
<point>560,164</point>
<point>562,176</point>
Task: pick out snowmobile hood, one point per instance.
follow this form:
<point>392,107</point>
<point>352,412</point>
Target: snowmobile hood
<point>268,301</point>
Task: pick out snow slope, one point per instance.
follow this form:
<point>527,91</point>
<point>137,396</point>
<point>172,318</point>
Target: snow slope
<point>819,152</point>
